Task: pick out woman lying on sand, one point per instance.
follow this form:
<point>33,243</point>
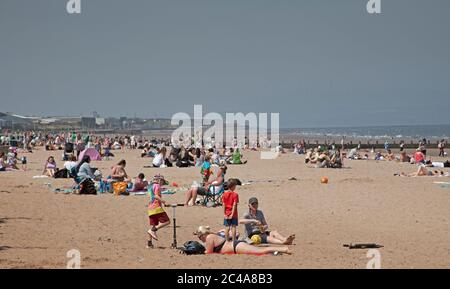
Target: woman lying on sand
<point>217,244</point>
<point>424,172</point>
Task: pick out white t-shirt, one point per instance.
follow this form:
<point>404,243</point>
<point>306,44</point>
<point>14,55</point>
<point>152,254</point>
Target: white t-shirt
<point>70,165</point>
<point>352,153</point>
<point>158,160</point>
<point>438,164</point>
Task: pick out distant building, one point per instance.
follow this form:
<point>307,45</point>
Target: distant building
<point>88,122</point>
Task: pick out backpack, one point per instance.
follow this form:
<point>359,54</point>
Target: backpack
<point>62,174</point>
<point>193,248</point>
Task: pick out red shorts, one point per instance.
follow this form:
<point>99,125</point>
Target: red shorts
<point>158,218</point>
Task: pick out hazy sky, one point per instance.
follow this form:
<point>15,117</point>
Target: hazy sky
<point>316,62</point>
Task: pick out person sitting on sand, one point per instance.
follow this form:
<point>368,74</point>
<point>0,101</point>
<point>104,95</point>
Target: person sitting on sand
<point>353,154</point>
<point>404,158</point>
<point>118,173</point>
<point>160,159</point>
<point>323,161</point>
<point>184,159</point>
<point>390,155</point>
<point>140,184</point>
<point>3,164</point>
<point>107,154</point>
<point>199,157</point>
<point>255,224</point>
<point>336,159</point>
<point>85,176</point>
<point>236,158</point>
<point>419,156</point>
<point>84,170</point>
<point>50,167</point>
<point>215,186</point>
<point>71,163</point>
<point>12,160</point>
<point>217,244</point>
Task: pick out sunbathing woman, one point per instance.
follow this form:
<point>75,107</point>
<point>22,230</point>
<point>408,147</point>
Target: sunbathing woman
<point>50,167</point>
<point>216,185</point>
<point>423,172</point>
<point>217,244</point>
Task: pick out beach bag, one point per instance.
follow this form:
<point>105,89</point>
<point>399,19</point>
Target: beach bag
<point>62,174</point>
<point>120,188</point>
<point>87,187</point>
<point>193,248</point>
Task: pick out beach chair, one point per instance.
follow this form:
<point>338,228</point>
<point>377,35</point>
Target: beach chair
<point>213,197</point>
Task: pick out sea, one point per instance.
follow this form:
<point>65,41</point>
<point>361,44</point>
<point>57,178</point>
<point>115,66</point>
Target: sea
<point>410,132</point>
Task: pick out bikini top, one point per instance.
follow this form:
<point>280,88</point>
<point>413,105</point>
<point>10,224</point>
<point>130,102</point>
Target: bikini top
<point>218,248</point>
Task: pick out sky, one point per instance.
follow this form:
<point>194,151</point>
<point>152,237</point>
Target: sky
<point>315,62</point>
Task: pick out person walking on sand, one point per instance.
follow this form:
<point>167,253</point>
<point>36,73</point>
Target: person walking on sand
<point>157,216</point>
<point>441,147</point>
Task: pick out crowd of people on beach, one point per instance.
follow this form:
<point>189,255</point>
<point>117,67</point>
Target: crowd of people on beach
<point>210,189</point>
<point>331,157</point>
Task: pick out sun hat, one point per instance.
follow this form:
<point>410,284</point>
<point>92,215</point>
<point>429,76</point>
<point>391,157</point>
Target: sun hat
<point>202,230</point>
<point>159,177</point>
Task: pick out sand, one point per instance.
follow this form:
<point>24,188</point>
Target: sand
<point>363,202</point>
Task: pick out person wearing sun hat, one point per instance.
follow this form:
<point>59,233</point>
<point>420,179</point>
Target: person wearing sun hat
<point>158,218</point>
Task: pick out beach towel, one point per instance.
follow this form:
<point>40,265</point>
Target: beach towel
<point>40,177</point>
<point>119,188</point>
<point>443,185</point>
<point>60,190</point>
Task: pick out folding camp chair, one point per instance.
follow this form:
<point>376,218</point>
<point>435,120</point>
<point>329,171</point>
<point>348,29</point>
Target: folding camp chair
<point>213,197</point>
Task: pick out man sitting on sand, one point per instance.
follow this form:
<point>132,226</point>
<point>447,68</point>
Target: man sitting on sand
<point>255,224</point>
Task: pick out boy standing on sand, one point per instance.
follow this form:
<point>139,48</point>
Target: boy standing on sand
<point>156,214</point>
<point>230,199</point>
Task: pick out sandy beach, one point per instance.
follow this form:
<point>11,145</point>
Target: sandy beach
<point>363,203</point>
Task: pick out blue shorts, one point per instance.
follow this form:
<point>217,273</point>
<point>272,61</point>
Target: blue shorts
<point>230,222</point>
